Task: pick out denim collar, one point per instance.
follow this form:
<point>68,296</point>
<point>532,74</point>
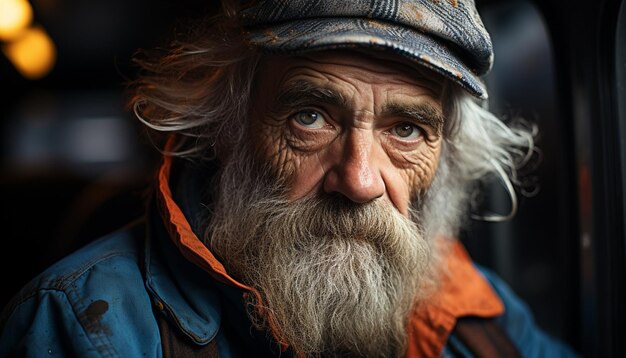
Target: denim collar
<point>179,289</point>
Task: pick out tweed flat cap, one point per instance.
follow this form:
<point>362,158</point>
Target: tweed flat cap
<point>446,36</point>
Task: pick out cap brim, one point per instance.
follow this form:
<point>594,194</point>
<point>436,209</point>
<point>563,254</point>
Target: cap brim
<point>331,33</point>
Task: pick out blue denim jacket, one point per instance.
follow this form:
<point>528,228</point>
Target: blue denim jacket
<point>97,303</point>
<point>104,300</point>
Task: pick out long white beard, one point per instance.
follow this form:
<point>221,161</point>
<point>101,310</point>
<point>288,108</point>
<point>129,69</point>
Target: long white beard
<point>336,278</point>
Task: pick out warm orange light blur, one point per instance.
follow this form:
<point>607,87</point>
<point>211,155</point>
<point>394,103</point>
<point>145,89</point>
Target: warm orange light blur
<point>33,53</point>
<point>15,16</point>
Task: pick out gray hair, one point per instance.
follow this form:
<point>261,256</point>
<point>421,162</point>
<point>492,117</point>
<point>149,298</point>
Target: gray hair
<point>478,146</point>
<point>198,90</point>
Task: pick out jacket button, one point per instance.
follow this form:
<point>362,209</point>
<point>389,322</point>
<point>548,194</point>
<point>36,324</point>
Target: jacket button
<point>159,305</point>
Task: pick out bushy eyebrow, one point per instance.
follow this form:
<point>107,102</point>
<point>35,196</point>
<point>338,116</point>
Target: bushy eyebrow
<point>423,113</point>
<point>299,93</point>
<point>302,93</point>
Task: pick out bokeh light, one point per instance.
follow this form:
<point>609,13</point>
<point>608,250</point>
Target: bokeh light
<point>33,54</point>
<point>15,16</point>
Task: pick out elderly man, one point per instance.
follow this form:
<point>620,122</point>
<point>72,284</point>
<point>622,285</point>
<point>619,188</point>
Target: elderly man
<point>333,147</point>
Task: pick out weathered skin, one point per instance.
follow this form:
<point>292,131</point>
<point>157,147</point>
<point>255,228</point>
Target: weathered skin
<point>379,134</point>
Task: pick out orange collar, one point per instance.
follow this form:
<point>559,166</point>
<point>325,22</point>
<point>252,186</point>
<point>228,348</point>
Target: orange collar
<point>463,291</point>
<point>181,233</point>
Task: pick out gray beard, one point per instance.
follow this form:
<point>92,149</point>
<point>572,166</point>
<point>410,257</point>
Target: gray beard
<point>335,278</point>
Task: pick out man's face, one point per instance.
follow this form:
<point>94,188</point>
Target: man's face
<point>341,122</point>
<point>313,208</point>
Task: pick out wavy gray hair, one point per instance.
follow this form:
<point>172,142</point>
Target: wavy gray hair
<point>200,89</point>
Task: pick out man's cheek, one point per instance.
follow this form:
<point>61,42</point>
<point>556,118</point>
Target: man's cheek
<point>281,158</point>
<point>421,173</point>
<point>268,142</point>
<point>307,177</point>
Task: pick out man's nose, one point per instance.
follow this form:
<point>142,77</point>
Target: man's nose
<point>356,173</point>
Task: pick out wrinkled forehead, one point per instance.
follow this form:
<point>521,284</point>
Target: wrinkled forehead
<point>277,67</point>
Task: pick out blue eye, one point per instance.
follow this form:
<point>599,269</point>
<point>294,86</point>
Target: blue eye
<point>310,119</point>
<point>406,131</point>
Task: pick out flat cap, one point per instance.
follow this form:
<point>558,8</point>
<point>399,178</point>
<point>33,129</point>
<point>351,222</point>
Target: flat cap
<point>446,36</point>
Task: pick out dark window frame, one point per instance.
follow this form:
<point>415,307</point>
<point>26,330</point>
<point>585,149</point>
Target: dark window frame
<point>584,34</point>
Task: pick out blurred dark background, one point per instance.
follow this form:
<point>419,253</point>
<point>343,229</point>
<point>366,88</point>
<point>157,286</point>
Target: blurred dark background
<point>75,165</point>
